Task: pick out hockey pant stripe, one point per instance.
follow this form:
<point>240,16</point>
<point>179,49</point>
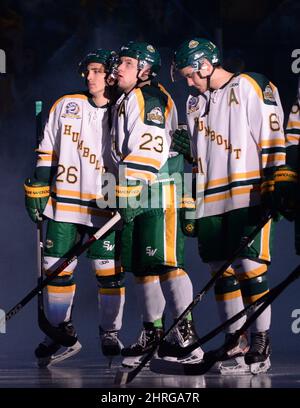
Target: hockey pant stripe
<point>170,224</point>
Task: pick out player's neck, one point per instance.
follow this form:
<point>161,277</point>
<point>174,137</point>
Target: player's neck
<point>100,100</point>
<point>219,78</point>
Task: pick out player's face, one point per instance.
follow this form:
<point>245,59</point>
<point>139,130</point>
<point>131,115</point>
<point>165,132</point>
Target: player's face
<point>95,78</point>
<point>193,79</point>
<point>127,73</point>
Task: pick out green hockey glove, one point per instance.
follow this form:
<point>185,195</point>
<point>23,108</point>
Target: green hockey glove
<point>36,196</point>
<point>279,191</point>
<point>181,144</point>
<point>286,191</point>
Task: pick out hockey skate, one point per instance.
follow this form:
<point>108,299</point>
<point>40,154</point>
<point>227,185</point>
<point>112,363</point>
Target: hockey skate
<point>47,351</point>
<point>111,345</point>
<point>258,356</point>
<point>233,362</point>
<point>182,336</point>
<point>135,353</point>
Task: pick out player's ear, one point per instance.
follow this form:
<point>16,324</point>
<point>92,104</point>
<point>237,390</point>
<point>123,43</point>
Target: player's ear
<point>145,72</point>
<point>206,68</point>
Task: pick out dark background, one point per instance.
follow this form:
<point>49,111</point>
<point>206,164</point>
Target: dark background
<point>44,41</point>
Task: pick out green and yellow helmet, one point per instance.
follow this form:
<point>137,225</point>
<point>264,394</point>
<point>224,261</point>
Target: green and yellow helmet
<point>193,52</point>
<point>105,57</point>
<point>145,53</point>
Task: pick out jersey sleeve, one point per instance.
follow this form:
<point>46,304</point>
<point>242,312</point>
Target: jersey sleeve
<point>48,149</point>
<point>293,125</point>
<point>148,141</point>
<point>293,137</point>
<point>265,119</point>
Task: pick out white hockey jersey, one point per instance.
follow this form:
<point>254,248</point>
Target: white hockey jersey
<point>236,132</point>
<point>143,124</point>
<point>293,125</point>
<point>76,141</point>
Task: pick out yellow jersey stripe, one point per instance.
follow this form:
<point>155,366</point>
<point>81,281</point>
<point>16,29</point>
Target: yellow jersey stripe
<point>141,103</point>
<point>140,175</point>
<point>293,124</point>
<point>229,194</point>
<point>270,158</point>
<point>75,96</point>
<point>292,138</point>
<point>273,142</point>
<point>143,160</point>
<point>78,209</point>
<point>77,194</point>
<point>255,85</point>
<point>233,177</point>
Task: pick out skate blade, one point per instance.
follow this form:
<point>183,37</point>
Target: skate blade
<point>261,367</point>
<point>131,362</point>
<point>121,377</point>
<point>171,365</point>
<point>236,366</point>
<point>69,352</point>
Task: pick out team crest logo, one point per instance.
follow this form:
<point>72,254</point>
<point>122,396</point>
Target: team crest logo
<point>150,48</point>
<point>156,116</point>
<point>49,243</point>
<point>268,94</point>
<point>72,110</point>
<point>193,104</point>
<point>189,228</point>
<point>193,44</point>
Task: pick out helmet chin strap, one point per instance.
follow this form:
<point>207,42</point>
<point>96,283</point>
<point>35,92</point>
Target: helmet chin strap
<point>207,77</point>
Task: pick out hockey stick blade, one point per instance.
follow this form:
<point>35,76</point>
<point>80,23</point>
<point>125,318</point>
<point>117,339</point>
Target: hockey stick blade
<point>212,357</point>
<point>72,255</point>
<point>126,377</point>
<point>181,352</point>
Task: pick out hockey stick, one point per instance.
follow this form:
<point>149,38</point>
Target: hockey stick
<point>71,256</point>
<point>125,377</point>
<point>213,356</point>
<point>54,333</point>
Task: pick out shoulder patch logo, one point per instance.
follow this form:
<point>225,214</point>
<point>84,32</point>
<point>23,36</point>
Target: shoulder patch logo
<point>156,116</point>
<point>193,104</point>
<point>193,44</point>
<point>150,48</point>
<point>268,94</point>
<point>71,111</point>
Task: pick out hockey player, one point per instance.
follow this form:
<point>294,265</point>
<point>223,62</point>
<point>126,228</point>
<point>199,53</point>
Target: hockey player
<point>152,242</point>
<point>235,124</point>
<point>72,158</point>
<point>291,210</point>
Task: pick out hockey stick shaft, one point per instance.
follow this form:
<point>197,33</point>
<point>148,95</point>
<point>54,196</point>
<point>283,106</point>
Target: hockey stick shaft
<point>40,246</point>
<point>202,340</point>
<point>216,355</point>
<point>72,255</point>
<point>126,377</point>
